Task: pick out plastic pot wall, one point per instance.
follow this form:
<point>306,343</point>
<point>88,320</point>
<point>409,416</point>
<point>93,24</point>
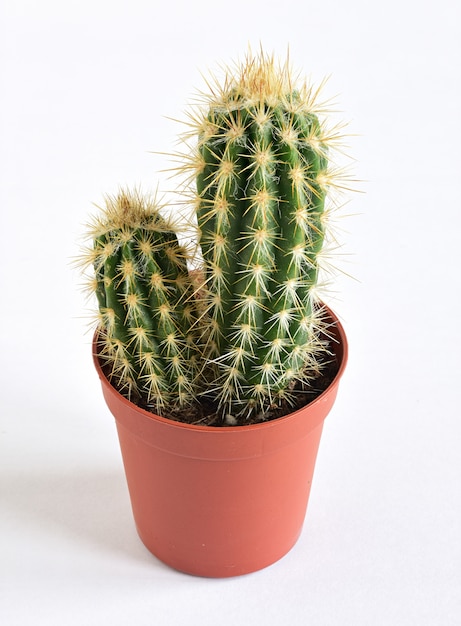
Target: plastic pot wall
<point>220,501</point>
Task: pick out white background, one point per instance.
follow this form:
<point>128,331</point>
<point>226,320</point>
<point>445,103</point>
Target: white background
<point>86,88</point>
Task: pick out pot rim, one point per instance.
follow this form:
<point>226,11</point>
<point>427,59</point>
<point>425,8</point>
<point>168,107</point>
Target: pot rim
<point>340,338</point>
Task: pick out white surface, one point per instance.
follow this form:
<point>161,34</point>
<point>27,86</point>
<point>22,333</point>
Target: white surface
<point>84,88</point>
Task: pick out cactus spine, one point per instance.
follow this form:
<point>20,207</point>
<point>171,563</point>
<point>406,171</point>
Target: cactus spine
<point>146,309</point>
<point>261,182</point>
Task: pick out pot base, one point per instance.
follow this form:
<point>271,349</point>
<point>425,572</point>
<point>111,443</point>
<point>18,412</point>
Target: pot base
<point>228,517</point>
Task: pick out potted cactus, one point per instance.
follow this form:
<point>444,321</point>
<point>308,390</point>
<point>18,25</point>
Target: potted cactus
<point>220,363</point>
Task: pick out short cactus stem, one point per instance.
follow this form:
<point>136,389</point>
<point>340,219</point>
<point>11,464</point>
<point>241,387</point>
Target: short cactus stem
<point>147,310</point>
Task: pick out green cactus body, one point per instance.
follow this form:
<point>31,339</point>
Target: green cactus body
<point>247,333</point>
<point>146,304</point>
<point>261,186</point>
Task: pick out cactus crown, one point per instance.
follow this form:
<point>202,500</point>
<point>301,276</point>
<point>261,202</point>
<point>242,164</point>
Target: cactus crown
<point>252,335</point>
<point>260,79</point>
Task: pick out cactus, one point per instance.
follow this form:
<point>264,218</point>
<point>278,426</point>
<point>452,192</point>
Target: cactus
<point>262,175</point>
<point>251,335</point>
<point>146,309</point>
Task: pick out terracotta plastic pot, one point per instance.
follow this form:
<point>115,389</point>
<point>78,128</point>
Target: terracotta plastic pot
<point>220,501</point>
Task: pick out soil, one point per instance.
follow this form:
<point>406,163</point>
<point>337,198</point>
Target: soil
<point>206,413</point>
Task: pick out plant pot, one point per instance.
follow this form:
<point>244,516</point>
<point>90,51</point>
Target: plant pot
<point>220,501</point>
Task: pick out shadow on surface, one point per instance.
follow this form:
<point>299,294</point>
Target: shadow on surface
<point>92,507</point>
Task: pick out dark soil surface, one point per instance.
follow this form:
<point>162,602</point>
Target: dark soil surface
<point>206,413</point>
